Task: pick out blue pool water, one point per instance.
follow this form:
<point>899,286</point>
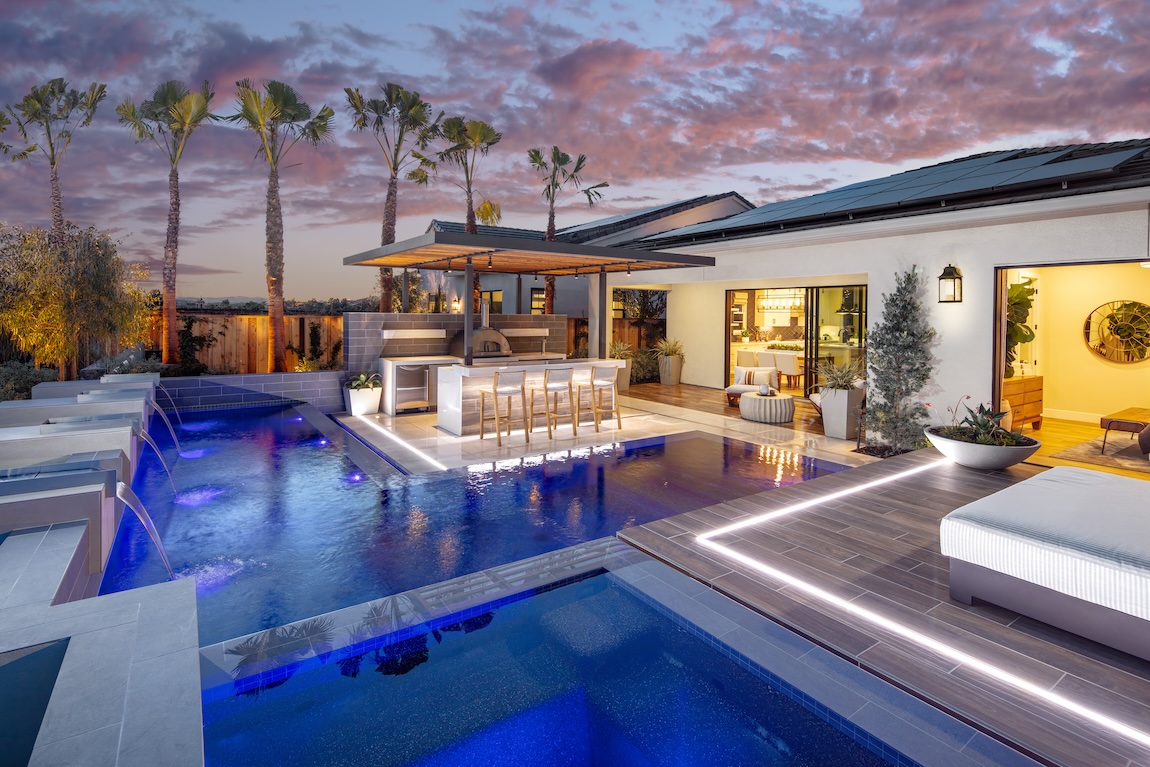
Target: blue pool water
<point>585,674</point>
<point>276,524</point>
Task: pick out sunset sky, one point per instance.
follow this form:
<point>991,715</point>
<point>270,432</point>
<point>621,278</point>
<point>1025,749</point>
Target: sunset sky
<point>668,100</point>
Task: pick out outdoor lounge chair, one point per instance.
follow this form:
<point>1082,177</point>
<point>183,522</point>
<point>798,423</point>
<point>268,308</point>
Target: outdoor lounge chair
<point>749,380</point>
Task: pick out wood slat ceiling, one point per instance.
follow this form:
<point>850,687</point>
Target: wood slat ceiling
<point>512,255</point>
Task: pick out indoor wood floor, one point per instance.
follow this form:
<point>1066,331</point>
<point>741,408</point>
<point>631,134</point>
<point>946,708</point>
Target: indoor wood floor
<point>879,549</point>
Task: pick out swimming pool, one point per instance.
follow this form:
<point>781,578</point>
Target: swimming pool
<point>276,524</point>
<point>592,670</point>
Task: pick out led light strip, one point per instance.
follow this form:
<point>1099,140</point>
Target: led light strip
<point>375,425</point>
<point>899,629</point>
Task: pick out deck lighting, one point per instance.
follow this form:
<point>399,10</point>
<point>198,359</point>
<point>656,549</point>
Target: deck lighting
<point>950,285</point>
<point>893,626</point>
<point>394,438</point>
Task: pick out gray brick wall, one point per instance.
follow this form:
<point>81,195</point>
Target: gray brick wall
<point>323,389</point>
<point>363,344</point>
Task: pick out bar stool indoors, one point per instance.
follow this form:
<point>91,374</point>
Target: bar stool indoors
<point>602,381</point>
<point>555,382</point>
<point>506,384</point>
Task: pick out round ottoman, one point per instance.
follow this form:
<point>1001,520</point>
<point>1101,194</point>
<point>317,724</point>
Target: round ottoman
<point>777,409</point>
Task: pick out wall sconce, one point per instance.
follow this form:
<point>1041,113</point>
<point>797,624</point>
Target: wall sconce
<point>456,306</point>
<point>950,285</point>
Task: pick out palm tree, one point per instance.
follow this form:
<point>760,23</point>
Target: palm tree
<point>280,120</point>
<point>49,109</point>
<point>398,118</point>
<point>468,142</point>
<point>4,123</point>
<point>556,173</point>
<point>168,119</point>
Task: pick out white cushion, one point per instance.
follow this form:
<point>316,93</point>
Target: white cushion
<point>756,377</point>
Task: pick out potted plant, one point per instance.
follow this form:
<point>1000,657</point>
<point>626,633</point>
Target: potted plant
<point>840,398</point>
<point>621,350</point>
<point>671,360</point>
<point>980,441</point>
<point>362,393</point>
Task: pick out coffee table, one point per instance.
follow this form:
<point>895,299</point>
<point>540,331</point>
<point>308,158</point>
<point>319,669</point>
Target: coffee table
<point>1132,419</point>
<point>777,409</point>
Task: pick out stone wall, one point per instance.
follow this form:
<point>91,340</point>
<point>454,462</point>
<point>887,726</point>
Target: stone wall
<point>363,343</point>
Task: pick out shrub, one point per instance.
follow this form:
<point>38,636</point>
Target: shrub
<point>644,367</point>
<point>18,378</point>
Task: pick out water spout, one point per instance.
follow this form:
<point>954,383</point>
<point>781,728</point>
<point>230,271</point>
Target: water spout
<point>171,402</point>
<point>160,412</point>
<point>148,438</point>
<point>125,494</point>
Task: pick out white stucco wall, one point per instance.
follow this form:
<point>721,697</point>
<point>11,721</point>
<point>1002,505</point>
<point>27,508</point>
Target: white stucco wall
<point>1110,226</point>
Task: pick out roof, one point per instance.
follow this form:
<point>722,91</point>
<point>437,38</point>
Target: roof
<point>602,227</point>
<point>500,231</point>
<point>990,178</point>
<point>443,251</point>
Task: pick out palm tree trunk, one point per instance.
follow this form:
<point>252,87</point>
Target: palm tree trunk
<point>471,228</point>
<point>274,254</point>
<point>170,343</point>
<point>549,294</point>
<point>57,202</point>
<point>549,281</point>
<point>386,275</point>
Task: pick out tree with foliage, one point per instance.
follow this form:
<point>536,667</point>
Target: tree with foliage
<point>168,120</point>
<point>900,364</point>
<point>279,119</point>
<point>468,141</point>
<point>58,291</point>
<point>52,112</point>
<point>4,123</point>
<point>557,173</point>
<point>642,307</point>
<point>400,121</point>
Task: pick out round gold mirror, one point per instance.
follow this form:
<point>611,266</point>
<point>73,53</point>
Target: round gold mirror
<point>1119,331</point>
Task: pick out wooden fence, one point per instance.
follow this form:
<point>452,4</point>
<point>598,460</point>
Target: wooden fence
<point>621,330</point>
<point>241,344</point>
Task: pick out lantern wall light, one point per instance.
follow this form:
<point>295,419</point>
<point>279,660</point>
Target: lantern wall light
<point>950,285</point>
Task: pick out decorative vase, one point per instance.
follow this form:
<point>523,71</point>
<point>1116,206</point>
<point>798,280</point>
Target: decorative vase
<point>362,401</point>
<point>841,412</point>
<point>670,370</point>
<point>976,456</point>
<point>765,390</point>
<point>623,380</point>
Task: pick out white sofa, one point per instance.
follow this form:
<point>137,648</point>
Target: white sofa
<point>749,380</point>
<point>1069,547</point>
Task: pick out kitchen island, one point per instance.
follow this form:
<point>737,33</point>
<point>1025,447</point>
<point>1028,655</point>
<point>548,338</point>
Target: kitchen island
<point>458,385</point>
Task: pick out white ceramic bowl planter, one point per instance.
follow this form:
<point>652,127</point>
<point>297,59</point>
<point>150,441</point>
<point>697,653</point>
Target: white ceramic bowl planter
<point>976,456</point>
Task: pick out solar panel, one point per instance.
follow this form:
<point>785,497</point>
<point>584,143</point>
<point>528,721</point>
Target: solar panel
<point>963,185</point>
<point>1082,166</point>
<point>1020,164</point>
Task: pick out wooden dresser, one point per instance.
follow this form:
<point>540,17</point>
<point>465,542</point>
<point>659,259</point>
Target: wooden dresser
<point>1025,396</point>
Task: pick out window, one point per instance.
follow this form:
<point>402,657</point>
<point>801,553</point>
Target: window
<point>538,300</point>
<point>494,298</point>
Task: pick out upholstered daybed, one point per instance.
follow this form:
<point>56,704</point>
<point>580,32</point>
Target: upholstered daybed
<point>1069,547</point>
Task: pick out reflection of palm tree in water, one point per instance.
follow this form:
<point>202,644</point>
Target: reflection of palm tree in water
<point>278,649</point>
<point>388,616</point>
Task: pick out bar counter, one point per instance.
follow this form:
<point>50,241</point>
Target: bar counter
<point>459,385</point>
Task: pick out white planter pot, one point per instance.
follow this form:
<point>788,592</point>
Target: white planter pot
<point>841,412</point>
<point>670,370</point>
<point>362,401</point>
<point>977,456</point>
<point>623,380</point>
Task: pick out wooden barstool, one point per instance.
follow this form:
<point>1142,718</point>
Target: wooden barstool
<point>555,382</point>
<point>602,381</point>
<point>506,384</point>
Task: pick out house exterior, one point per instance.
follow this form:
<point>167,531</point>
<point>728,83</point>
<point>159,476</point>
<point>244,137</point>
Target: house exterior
<point>571,294</point>
<point>1076,219</point>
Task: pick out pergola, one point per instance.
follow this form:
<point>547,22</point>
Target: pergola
<point>449,251</point>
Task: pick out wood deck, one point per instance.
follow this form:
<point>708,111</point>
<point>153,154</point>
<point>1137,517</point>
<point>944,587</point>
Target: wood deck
<point>714,401</point>
<point>879,550</point>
